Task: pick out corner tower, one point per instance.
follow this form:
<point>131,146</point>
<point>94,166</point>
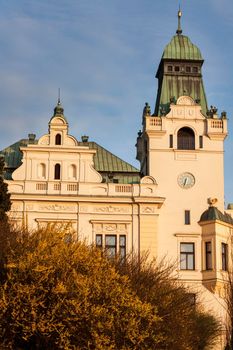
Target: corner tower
<point>181,146</point>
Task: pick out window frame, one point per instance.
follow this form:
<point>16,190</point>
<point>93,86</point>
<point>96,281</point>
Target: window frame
<point>224,256</point>
<point>208,256</point>
<point>187,254</point>
<point>200,141</point>
<point>186,139</point>
<point>57,171</point>
<point>170,141</point>
<point>120,244</point>
<point>187,217</point>
<point>58,139</point>
<point>169,68</point>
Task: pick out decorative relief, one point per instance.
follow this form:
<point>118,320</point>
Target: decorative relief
<point>83,209</point>
<point>29,207</point>
<point>185,100</point>
<point>44,140</point>
<point>148,210</point>
<point>148,180</point>
<point>110,227</point>
<point>122,227</point>
<point>57,207</point>
<point>111,209</point>
<point>105,228</point>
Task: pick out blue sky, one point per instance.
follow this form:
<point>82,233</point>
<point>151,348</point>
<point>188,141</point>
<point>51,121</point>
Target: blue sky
<point>103,54</point>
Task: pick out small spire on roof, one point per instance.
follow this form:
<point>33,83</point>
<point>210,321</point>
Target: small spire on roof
<point>179,30</point>
<point>58,101</point>
<point>58,109</point>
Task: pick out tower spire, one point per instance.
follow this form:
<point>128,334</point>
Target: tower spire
<point>179,30</point>
<point>59,100</point>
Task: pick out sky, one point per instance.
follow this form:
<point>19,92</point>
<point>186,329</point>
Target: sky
<point>103,55</point>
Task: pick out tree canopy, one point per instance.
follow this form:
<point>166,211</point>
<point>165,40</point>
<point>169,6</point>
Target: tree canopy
<point>59,293</point>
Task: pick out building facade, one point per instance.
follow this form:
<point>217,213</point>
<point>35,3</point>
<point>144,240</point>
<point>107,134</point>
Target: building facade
<point>173,206</point>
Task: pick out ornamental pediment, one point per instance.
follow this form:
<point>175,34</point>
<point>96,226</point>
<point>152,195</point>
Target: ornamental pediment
<point>185,101</point>
<point>185,108</point>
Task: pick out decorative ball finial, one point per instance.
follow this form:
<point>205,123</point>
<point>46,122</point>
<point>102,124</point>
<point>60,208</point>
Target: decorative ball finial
<point>212,201</point>
<point>179,30</point>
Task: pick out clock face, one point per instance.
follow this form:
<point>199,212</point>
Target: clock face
<point>186,180</point>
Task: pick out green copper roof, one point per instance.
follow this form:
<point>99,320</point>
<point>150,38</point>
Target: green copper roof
<point>179,73</point>
<point>212,213</point>
<point>104,162</point>
<point>107,162</point>
<point>12,154</point>
<point>181,48</point>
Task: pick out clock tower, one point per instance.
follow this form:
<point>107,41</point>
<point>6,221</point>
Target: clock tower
<point>181,146</point>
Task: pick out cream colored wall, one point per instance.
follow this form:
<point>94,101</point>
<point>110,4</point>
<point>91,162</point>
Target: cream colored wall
<point>91,207</point>
<point>93,215</point>
<point>166,164</point>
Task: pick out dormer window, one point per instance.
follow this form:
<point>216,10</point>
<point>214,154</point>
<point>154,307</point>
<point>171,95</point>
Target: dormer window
<point>185,139</point>
<point>58,139</point>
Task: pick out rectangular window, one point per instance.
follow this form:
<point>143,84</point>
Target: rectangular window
<point>170,141</point>
<point>195,69</point>
<point>99,241</point>
<point>200,141</point>
<point>187,217</point>
<point>187,258</point>
<point>177,68</point>
<point>169,68</point>
<point>110,245</point>
<point>188,69</point>
<point>122,246</point>
<point>208,255</point>
<point>113,244</point>
<point>224,257</point>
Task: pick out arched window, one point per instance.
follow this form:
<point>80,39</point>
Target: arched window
<point>57,172</point>
<point>72,171</point>
<point>41,170</point>
<point>185,139</point>
<point>58,139</point>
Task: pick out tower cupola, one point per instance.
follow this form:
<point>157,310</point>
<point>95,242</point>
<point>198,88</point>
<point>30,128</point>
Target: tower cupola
<point>179,73</point>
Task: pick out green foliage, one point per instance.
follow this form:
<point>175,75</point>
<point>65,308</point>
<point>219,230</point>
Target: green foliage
<point>60,294</point>
<point>5,203</point>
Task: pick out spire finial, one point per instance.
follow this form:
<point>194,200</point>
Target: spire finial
<point>58,101</point>
<point>179,30</point>
<point>58,109</point>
